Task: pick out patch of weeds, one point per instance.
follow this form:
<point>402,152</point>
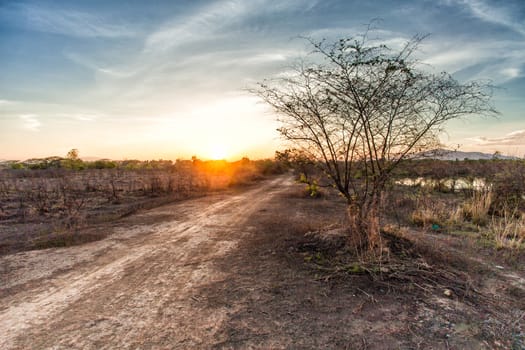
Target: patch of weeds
<point>355,268</point>
<point>402,265</point>
<point>507,231</point>
<point>317,258</point>
<point>312,186</point>
<point>476,209</point>
<point>432,214</point>
<point>64,238</point>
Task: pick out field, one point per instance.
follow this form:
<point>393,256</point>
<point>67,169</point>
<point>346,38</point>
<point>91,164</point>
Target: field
<point>263,261</point>
<point>42,208</point>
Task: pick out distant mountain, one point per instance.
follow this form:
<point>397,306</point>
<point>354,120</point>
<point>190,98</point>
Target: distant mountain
<point>445,154</point>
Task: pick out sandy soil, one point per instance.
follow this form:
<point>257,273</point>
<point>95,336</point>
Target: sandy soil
<point>228,271</point>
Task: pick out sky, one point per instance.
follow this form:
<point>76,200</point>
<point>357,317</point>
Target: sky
<point>169,79</point>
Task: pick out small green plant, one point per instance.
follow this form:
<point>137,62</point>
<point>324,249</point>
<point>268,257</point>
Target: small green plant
<point>355,268</point>
<point>312,186</point>
<point>313,189</point>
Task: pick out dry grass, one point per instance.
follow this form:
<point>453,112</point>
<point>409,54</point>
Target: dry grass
<point>477,208</point>
<point>507,231</point>
<point>431,213</point>
<point>432,210</point>
<point>452,213</point>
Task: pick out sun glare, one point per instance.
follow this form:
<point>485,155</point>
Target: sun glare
<point>218,152</point>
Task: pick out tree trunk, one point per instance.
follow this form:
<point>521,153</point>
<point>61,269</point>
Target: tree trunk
<point>364,224</point>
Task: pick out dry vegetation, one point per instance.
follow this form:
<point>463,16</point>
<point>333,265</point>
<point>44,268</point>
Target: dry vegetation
<point>440,242</point>
<point>44,203</point>
<point>450,273</point>
<point>492,209</point>
<point>430,288</point>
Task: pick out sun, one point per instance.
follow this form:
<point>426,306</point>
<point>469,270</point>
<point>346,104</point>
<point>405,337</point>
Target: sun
<point>218,152</point>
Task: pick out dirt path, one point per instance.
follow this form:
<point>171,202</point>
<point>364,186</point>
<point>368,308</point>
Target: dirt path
<point>135,289</point>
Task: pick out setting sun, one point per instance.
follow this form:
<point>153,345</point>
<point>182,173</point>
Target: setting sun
<point>218,152</point>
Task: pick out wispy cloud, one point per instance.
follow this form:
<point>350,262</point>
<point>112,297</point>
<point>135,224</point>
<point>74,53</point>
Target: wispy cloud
<point>515,138</point>
<point>30,122</point>
<point>85,61</point>
<point>511,72</point>
<point>499,61</point>
<point>83,117</point>
<point>496,53</point>
<point>6,102</point>
<point>491,13</point>
<point>213,21</point>
<point>64,21</point>
<point>196,26</point>
<point>226,46</point>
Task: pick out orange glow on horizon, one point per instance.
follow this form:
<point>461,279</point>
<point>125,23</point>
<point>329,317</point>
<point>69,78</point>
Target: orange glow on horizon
<point>218,152</point>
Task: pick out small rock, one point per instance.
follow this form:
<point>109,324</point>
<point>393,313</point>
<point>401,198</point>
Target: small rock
<point>448,293</point>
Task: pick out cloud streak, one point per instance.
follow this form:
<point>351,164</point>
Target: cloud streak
<point>499,61</point>
<point>492,14</point>
<point>216,20</point>
<point>30,122</point>
<point>65,22</point>
<point>496,51</point>
<point>100,68</point>
<point>515,138</point>
<point>6,102</point>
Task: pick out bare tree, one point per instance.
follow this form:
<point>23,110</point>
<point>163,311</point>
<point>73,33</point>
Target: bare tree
<point>360,110</point>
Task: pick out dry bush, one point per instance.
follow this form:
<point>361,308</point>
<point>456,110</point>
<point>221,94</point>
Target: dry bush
<point>156,186</point>
<point>508,188</point>
<point>476,209</point>
<point>432,213</point>
<point>72,202</point>
<point>507,231</point>
<point>4,197</point>
<point>398,204</point>
<point>114,186</point>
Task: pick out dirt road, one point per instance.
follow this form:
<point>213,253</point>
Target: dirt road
<point>135,289</point>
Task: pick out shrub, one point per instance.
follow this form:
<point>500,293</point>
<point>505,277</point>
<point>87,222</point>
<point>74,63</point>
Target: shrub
<point>508,188</point>
<point>476,209</point>
<point>431,214</point>
<point>312,186</point>
<point>507,231</point>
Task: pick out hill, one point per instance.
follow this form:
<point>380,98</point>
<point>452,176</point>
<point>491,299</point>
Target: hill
<point>445,154</point>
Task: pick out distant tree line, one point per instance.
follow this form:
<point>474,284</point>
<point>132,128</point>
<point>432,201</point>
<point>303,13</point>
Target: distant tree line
<point>73,162</point>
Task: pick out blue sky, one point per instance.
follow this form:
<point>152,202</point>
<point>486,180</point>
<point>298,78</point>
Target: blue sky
<point>168,79</point>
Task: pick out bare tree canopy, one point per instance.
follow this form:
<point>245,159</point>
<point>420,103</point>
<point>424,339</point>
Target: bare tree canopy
<point>360,109</point>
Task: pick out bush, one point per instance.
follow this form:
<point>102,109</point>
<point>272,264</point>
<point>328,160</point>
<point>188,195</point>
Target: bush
<point>477,208</point>
<point>434,214</point>
<point>508,189</point>
<point>507,231</point>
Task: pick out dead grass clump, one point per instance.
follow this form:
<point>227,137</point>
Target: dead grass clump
<point>476,209</point>
<point>507,231</point>
<point>399,204</point>
<point>508,188</point>
<point>432,214</point>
